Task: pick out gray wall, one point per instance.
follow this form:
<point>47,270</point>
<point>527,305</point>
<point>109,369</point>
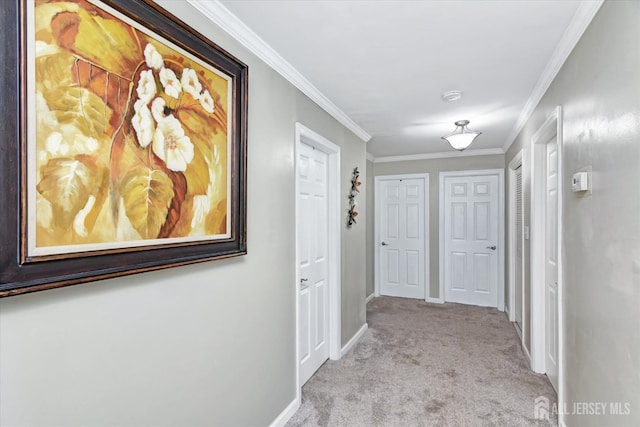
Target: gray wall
<point>599,90</point>
<point>208,344</point>
<point>433,168</point>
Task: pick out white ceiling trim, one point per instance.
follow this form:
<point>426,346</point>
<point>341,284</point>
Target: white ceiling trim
<point>581,20</point>
<point>221,16</point>
<point>371,157</point>
<point>443,155</point>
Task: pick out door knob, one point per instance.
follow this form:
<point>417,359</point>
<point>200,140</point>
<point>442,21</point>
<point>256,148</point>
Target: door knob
<point>493,248</point>
<point>303,280</point>
<point>384,244</point>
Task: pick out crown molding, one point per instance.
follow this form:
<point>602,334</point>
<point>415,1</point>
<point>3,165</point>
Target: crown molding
<point>576,28</point>
<point>370,157</point>
<point>442,155</point>
<point>230,23</point>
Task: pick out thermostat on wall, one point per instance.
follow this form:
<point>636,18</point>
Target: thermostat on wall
<point>580,182</point>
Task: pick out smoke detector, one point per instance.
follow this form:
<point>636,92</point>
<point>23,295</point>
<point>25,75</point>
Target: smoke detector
<point>451,95</point>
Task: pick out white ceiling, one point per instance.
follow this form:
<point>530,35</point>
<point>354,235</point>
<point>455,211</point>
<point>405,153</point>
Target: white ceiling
<point>386,63</point>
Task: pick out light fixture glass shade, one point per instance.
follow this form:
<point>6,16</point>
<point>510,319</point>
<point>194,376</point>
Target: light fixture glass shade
<point>462,137</point>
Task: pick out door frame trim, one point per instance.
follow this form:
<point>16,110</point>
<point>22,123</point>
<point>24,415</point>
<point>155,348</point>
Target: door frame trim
<point>378,183</point>
<point>552,126</point>
<point>307,136</point>
<point>500,243</point>
<point>514,164</point>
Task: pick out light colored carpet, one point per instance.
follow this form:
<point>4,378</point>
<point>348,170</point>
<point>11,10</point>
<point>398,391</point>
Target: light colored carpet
<point>427,365</point>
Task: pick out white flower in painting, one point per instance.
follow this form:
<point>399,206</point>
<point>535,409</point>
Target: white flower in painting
<point>207,102</point>
<point>53,142</point>
<point>170,83</point>
<point>152,57</point>
<point>92,144</point>
<point>142,123</point>
<point>146,86</point>
<point>172,145</point>
<point>44,116</point>
<point>84,144</point>
<point>190,82</point>
<point>138,105</point>
<point>64,149</point>
<point>158,109</point>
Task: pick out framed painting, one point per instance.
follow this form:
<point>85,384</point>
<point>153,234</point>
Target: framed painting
<point>124,143</point>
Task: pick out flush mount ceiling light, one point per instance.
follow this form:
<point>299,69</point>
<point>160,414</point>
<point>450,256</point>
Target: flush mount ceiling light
<point>452,95</point>
<point>462,137</point>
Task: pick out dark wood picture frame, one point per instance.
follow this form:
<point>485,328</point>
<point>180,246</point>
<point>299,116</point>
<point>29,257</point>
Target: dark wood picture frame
<point>19,273</point>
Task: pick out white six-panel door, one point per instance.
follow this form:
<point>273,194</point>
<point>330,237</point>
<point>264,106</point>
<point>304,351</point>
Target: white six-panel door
<point>471,239</point>
<point>402,237</point>
<point>313,260</point>
<point>551,258</point>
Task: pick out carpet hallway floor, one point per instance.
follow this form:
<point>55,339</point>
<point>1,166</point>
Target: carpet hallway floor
<point>425,364</point>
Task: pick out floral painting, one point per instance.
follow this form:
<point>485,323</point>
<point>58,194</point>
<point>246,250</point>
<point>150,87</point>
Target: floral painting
<point>129,145</point>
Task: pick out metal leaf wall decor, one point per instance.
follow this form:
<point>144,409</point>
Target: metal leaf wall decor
<point>355,183</point>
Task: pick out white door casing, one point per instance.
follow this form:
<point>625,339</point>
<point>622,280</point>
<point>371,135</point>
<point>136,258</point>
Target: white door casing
<point>318,307</point>
<point>471,237</point>
<point>551,264</point>
<point>551,130</point>
<point>519,252</point>
<point>402,240</point>
<point>516,244</point>
<point>401,227</point>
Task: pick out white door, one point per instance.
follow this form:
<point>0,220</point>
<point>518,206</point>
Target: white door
<point>519,252</point>
<point>471,239</point>
<point>313,258</point>
<point>551,263</point>
<point>402,237</point>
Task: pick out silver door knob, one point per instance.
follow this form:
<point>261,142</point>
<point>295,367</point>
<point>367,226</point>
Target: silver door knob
<point>493,248</point>
<point>384,244</point>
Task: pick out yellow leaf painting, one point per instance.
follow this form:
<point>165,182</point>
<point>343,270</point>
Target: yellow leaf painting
<point>67,184</point>
<point>147,195</point>
<point>131,134</point>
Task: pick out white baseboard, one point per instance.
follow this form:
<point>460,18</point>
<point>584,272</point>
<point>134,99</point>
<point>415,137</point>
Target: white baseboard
<point>286,415</point>
<point>519,332</point>
<point>354,339</point>
<point>370,297</point>
<point>526,353</point>
<point>435,300</point>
